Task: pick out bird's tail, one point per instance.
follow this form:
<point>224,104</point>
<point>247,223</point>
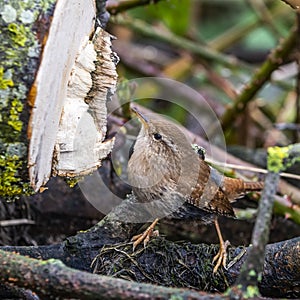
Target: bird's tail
<point>235,188</point>
<point>253,186</point>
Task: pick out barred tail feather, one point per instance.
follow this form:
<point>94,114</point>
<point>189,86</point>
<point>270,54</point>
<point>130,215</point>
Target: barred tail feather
<point>235,188</point>
<point>253,186</point>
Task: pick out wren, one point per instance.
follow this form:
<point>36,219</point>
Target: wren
<point>173,180</point>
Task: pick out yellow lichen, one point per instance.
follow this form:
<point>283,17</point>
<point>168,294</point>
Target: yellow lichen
<point>9,166</point>
<point>251,292</point>
<point>72,181</point>
<point>17,34</point>
<point>14,113</point>
<point>5,82</point>
<point>276,157</point>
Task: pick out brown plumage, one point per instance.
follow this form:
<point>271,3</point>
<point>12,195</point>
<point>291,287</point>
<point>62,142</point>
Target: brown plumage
<point>169,176</point>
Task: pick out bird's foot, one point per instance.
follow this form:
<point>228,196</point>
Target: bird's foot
<point>145,236</point>
<point>221,256</point>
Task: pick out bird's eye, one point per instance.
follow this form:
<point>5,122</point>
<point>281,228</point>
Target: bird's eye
<point>157,136</point>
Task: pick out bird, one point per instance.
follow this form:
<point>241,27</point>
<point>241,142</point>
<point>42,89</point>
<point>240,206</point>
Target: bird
<point>173,180</point>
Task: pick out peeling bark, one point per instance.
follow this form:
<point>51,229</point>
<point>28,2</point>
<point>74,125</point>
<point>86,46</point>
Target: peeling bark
<point>80,144</point>
<point>67,130</point>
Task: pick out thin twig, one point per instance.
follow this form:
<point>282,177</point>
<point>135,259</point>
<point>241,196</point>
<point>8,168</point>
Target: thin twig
<point>251,169</point>
<point>15,222</point>
<point>267,17</point>
<point>297,117</point>
<point>251,272</point>
<point>274,60</point>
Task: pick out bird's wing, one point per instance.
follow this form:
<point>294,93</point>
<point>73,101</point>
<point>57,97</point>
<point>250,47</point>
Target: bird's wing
<point>208,194</point>
<point>220,204</point>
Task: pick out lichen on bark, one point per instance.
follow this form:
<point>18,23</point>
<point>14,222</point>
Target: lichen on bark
<point>19,58</point>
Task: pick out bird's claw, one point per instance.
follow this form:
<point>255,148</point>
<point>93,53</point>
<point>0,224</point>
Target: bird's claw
<point>221,256</point>
<point>145,236</point>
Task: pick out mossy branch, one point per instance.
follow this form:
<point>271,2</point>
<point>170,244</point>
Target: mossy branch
<point>274,60</point>
<point>52,278</point>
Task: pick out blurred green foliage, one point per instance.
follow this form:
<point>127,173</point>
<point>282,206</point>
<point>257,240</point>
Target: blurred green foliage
<point>254,38</point>
<point>219,16</point>
<point>175,14</point>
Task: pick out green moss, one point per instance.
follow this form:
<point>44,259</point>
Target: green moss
<point>281,158</point>
<point>17,34</point>
<point>72,181</point>
<point>251,292</point>
<point>5,82</point>
<point>276,158</point>
<point>10,182</point>
<point>14,115</point>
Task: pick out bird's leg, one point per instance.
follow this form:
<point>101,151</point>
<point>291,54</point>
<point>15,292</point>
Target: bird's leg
<point>221,256</point>
<point>145,236</point>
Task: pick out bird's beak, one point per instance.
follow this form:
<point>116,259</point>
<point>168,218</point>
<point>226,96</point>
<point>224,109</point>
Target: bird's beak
<point>142,118</point>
